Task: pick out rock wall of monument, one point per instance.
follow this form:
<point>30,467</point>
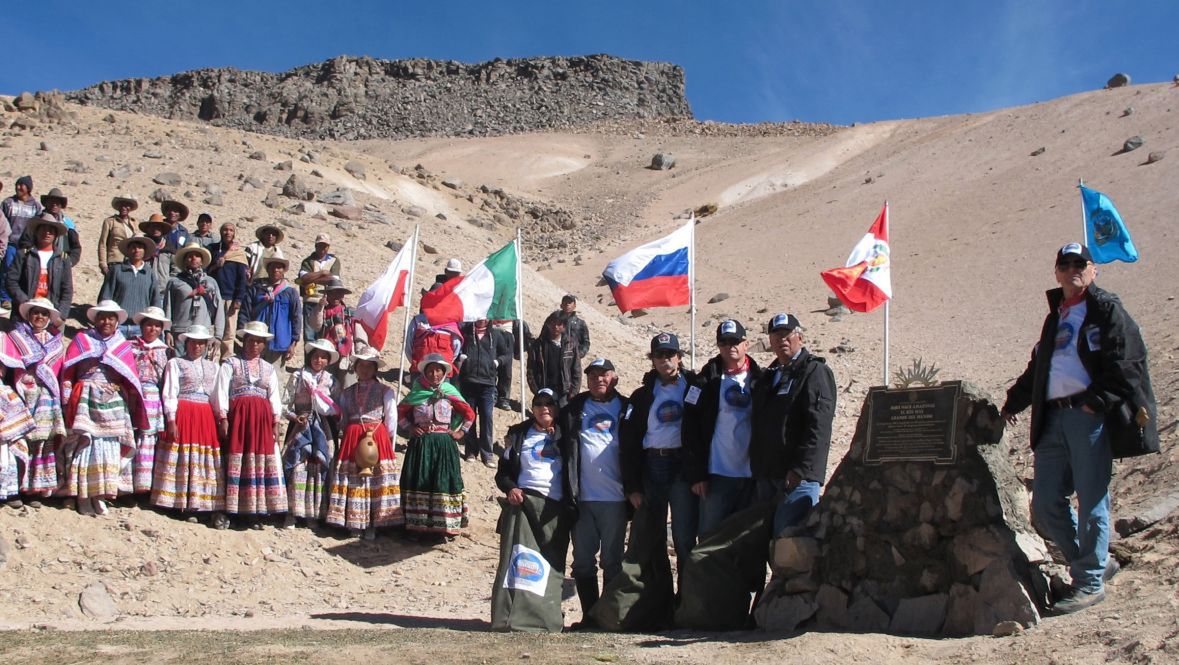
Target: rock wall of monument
<point>363,98</point>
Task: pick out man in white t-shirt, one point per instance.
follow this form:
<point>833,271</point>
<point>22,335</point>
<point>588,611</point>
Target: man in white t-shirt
<point>1088,387</point>
<point>590,425</point>
<point>718,425</point>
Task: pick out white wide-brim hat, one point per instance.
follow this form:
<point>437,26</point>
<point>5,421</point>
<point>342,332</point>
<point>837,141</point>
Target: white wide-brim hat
<point>43,303</point>
<point>107,306</point>
<point>435,359</point>
<point>197,333</point>
<point>190,248</point>
<point>367,354</point>
<point>325,346</point>
<point>153,313</point>
<point>254,329</point>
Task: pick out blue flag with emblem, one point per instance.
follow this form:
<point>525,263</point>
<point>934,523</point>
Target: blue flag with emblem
<point>1106,234</point>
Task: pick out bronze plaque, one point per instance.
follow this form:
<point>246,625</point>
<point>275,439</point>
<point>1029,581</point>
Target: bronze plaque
<point>913,424</point>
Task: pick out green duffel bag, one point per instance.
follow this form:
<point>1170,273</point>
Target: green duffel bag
<point>724,570</point>
<point>641,597</point>
<point>527,592</point>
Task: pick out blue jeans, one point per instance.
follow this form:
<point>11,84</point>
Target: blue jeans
<point>726,495</point>
<point>795,505</point>
<point>482,400</point>
<point>309,333</point>
<point>131,330</point>
<point>664,486</point>
<point>600,525</point>
<point>1072,455</point>
<point>9,257</point>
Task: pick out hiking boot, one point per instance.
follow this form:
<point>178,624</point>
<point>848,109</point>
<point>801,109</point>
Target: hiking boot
<point>504,404</point>
<point>1111,568</point>
<point>1077,601</point>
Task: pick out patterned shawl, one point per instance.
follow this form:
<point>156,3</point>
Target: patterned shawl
<point>114,352</point>
<point>419,394</point>
<point>45,360</point>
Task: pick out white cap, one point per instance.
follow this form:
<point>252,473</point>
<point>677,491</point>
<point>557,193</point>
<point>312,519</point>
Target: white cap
<point>454,265</point>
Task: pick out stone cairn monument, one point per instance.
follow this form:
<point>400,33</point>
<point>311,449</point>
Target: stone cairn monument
<point>922,530</point>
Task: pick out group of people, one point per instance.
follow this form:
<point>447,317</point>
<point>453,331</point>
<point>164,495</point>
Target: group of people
<point>705,445</point>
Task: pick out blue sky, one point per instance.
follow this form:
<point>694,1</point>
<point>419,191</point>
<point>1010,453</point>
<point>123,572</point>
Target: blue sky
<point>744,60</point>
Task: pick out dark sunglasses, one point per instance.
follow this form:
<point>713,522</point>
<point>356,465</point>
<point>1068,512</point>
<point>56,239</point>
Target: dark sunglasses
<point>665,354</point>
<point>1078,264</point>
<point>728,342</point>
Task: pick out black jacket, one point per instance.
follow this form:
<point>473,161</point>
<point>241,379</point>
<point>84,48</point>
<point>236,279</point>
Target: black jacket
<point>577,332</point>
<point>792,419</point>
<point>700,418</point>
<point>634,428</point>
<point>507,474</point>
<point>569,423</point>
<point>25,272</point>
<point>549,367</point>
<point>1117,366</point>
<point>482,354</point>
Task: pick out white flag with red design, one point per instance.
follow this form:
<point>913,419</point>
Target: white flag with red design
<point>865,281</point>
<point>390,291</point>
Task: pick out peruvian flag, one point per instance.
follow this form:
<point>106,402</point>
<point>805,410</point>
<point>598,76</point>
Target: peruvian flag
<point>487,292</point>
<point>390,291</point>
<point>865,281</point>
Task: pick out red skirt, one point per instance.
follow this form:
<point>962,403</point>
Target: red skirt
<point>355,432</point>
<point>251,426</point>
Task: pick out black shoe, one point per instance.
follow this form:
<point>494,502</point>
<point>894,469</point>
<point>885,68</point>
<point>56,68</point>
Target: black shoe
<point>504,404</point>
<point>1077,601</point>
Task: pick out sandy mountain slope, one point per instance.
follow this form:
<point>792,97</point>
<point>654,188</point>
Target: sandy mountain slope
<point>975,221</point>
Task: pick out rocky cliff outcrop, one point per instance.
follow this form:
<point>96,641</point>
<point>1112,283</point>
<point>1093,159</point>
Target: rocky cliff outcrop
<point>363,98</point>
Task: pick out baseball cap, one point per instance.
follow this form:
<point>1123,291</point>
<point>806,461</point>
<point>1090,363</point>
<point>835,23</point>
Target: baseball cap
<point>730,329</point>
<point>454,265</point>
<point>324,238</point>
<point>785,322</point>
<point>665,341</point>
<point>600,364</point>
<point>1074,248</point>
<point>544,395</point>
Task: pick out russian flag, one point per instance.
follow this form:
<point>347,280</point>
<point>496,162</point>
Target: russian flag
<point>654,275</point>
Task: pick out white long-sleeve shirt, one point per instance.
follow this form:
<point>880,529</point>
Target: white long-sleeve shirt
<point>187,379</point>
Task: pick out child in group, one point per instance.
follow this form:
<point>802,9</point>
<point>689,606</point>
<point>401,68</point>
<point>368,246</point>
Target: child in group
<point>308,450</point>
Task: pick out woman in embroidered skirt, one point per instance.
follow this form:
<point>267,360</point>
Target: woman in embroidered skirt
<point>15,423</point>
<point>309,446</point>
<point>248,401</point>
<point>151,355</point>
<point>361,502</point>
<point>104,403</point>
<point>434,418</point>
<point>188,461</point>
<point>37,342</point>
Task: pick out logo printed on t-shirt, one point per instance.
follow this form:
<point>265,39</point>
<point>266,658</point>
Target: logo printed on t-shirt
<point>1064,335</point>
<point>737,397</point>
<point>545,449</point>
<point>670,411</point>
<point>600,422</point>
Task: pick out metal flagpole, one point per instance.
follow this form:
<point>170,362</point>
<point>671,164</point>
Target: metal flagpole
<point>413,260</point>
<point>888,232</point>
<point>518,326</point>
<point>1084,223</point>
<point>692,287</point>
